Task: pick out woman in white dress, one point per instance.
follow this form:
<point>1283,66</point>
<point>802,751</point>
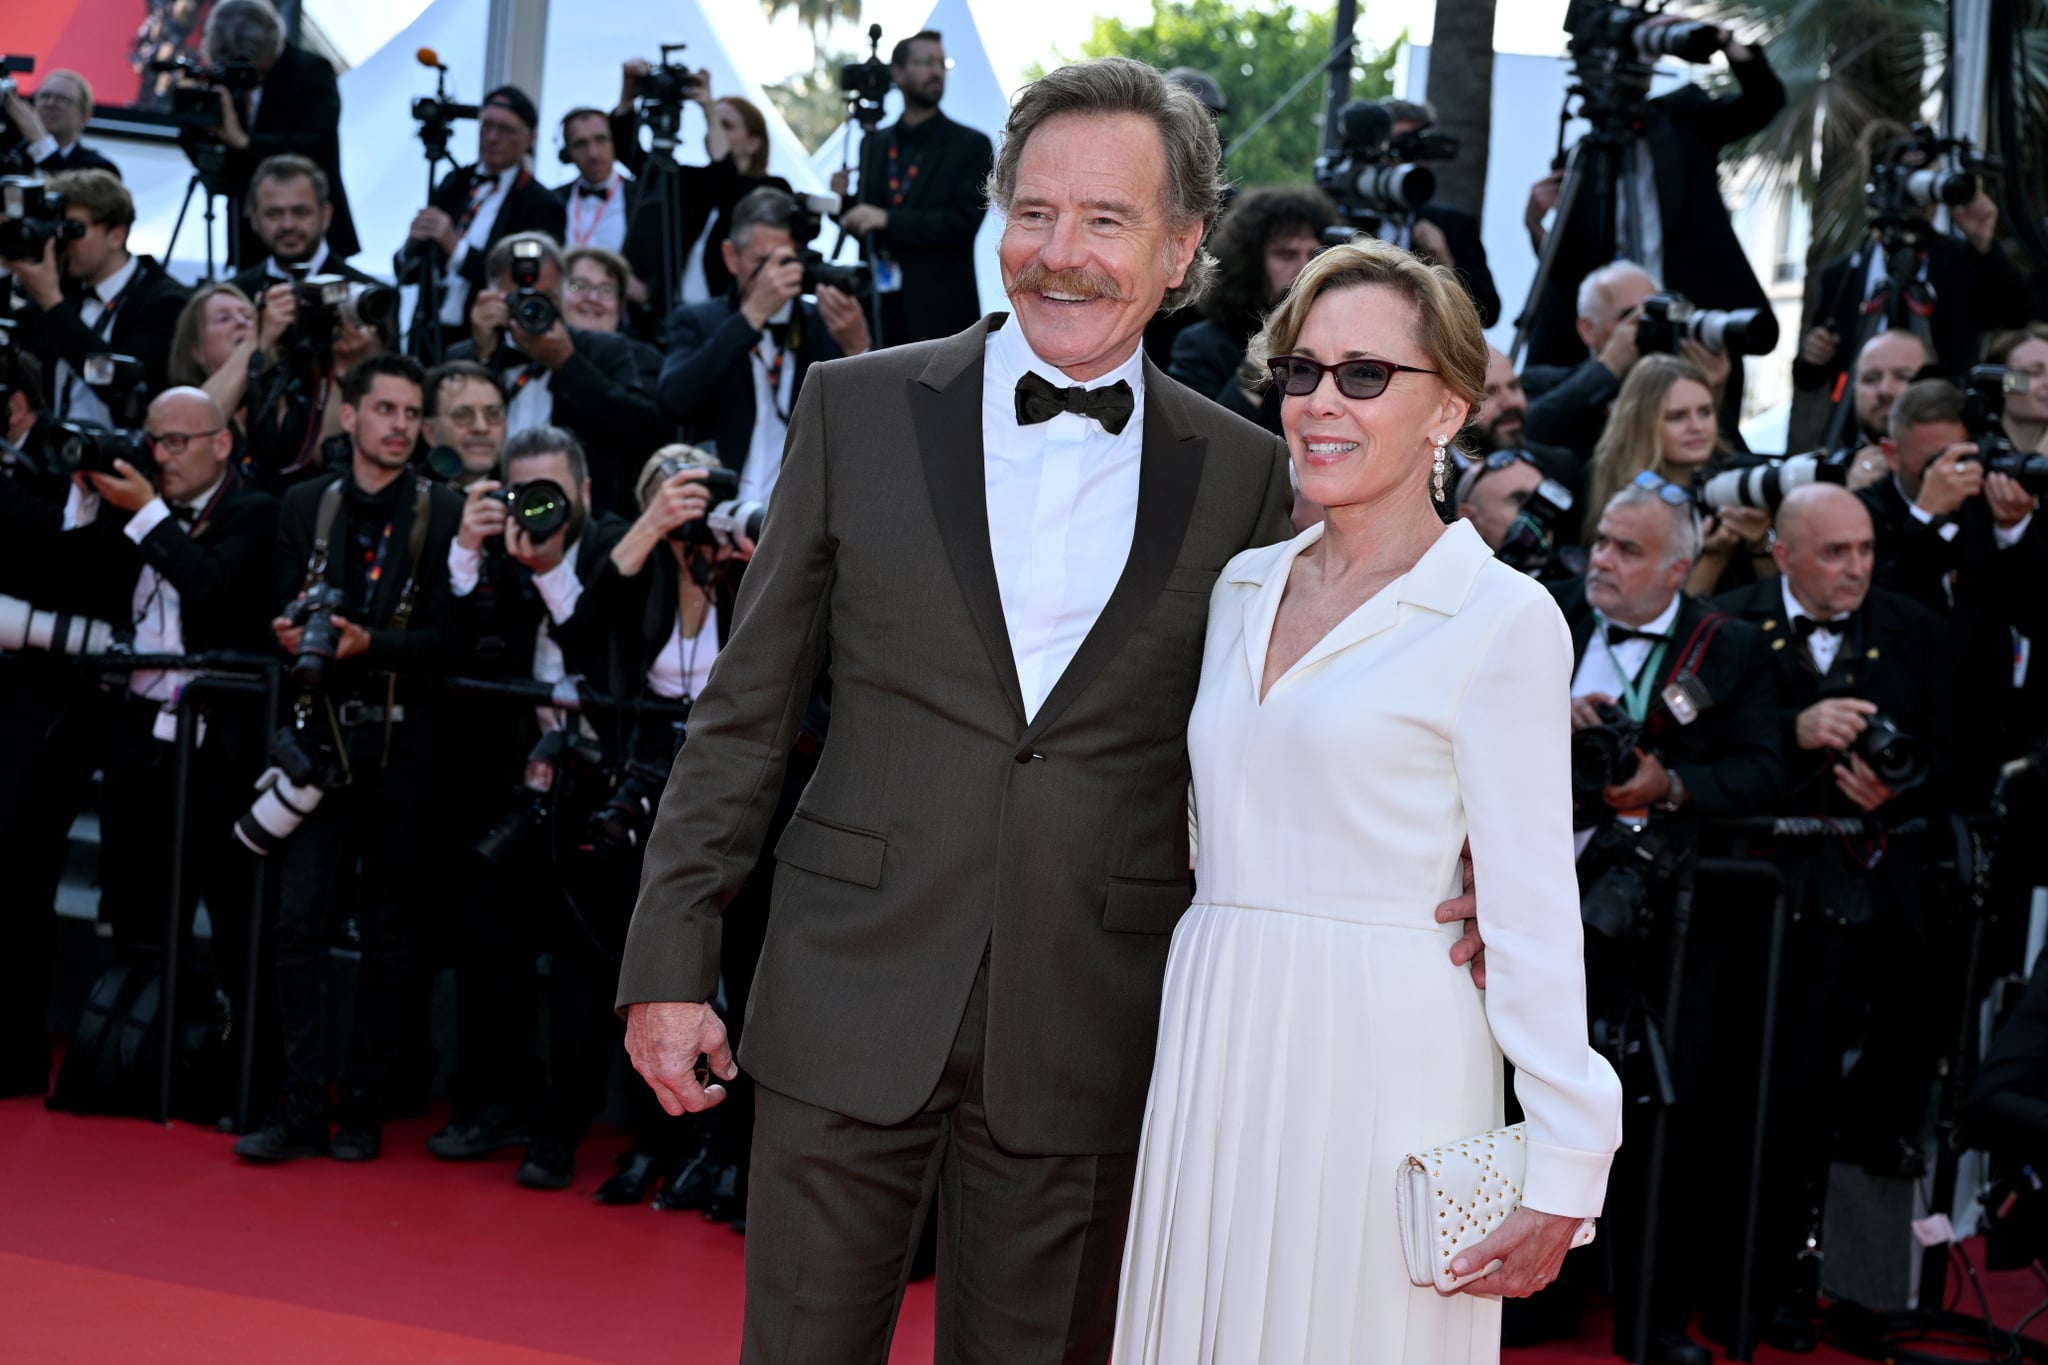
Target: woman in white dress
<point>1374,692</point>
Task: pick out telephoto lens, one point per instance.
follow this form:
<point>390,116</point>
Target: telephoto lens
<point>1766,485</point>
<point>23,627</point>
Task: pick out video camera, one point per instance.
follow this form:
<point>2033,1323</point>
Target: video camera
<point>867,83</point>
<point>436,114</point>
<point>31,217</point>
<point>660,95</point>
<point>1617,35</point>
<point>1374,174</point>
<point>1920,172</point>
<point>1984,414</point>
<point>195,99</point>
<point>1670,317</point>
<point>532,311</point>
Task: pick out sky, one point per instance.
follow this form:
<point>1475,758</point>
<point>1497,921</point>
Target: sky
<point>1016,33</point>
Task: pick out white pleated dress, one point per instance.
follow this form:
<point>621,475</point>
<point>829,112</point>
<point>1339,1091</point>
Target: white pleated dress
<point>1313,1030</point>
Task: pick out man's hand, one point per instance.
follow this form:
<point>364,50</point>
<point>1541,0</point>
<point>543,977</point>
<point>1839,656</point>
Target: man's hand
<point>1543,196</point>
<point>1471,947</point>
<point>1585,713</point>
<point>1833,723</point>
<point>126,488</point>
<point>1860,784</point>
<point>629,80</point>
<point>682,498</point>
<point>280,311</point>
<point>839,182</point>
<point>1977,221</point>
<point>287,634</point>
<point>551,348</point>
<point>483,516</point>
<point>432,225</point>
<point>1818,346</point>
<point>774,284</point>
<point>1951,479</point>
<point>25,119</point>
<point>488,318</point>
<point>353,638</point>
<point>1715,365</point>
<point>665,1038</point>
<point>862,219</point>
<point>1619,355</point>
<point>2010,502</point>
<point>1651,784</point>
<point>1428,239</point>
<point>1732,528</point>
<point>41,279</point>
<point>845,319</point>
<point>1530,1247</point>
<point>231,131</point>
<point>540,556</point>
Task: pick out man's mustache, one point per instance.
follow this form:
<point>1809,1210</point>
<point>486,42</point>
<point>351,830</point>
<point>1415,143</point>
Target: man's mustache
<point>1085,284</point>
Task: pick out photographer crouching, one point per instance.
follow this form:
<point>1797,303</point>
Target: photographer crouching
<point>1674,722</point>
<point>361,568</point>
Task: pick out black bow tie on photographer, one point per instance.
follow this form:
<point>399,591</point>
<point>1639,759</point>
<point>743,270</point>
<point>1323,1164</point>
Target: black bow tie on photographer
<point>1805,626</point>
<point>1041,400</point>
<point>185,514</point>
<point>1617,635</point>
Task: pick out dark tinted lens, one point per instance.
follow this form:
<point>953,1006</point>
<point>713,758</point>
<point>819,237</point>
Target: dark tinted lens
<point>1296,378</point>
<point>1362,379</point>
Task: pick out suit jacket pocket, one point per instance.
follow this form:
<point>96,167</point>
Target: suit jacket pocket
<point>847,855</point>
<point>1192,580</point>
<point>1136,907</point>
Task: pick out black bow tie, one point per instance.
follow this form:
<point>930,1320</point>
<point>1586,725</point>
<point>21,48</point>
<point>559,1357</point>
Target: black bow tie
<point>593,191</point>
<point>186,515</point>
<point>1805,626</point>
<point>1622,634</point>
<point>1041,400</point>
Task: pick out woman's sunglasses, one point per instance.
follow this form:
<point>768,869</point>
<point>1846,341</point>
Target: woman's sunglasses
<point>1298,377</point>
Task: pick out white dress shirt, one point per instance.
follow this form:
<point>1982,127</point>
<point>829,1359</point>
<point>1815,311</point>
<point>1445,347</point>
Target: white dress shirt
<point>273,271</point>
<point>1823,645</point>
<point>1611,670</point>
<point>1650,215</point>
<point>771,427</point>
<point>477,236</point>
<point>533,402</point>
<point>1062,505</point>
<point>559,588</point>
<point>597,216</point>
<point>156,610</point>
<point>76,399</point>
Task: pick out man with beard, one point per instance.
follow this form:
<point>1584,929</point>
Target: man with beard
<point>920,203</point>
<point>1887,363</point>
<point>465,421</point>
<point>1502,419</point>
<point>291,212</point>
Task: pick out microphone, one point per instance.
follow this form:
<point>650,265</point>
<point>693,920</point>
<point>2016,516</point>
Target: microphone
<point>428,57</point>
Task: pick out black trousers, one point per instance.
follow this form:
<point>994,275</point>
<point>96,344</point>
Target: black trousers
<point>379,827</point>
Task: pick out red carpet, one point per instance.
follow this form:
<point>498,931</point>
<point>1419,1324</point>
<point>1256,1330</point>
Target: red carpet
<point>122,1241</point>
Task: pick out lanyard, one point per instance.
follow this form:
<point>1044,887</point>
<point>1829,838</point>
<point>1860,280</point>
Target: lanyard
<point>774,376</point>
<point>1635,697</point>
<point>901,185</point>
<point>373,559</point>
<point>579,232</point>
<point>480,189</point>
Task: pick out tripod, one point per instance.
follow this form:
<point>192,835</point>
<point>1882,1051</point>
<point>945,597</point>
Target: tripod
<point>867,115</point>
<point>1900,300</point>
<point>209,172</point>
<point>661,194</point>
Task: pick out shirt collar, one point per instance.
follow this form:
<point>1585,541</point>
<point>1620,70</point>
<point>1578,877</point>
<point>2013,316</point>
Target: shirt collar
<point>1010,358</point>
<point>1660,626</point>
<point>200,499</point>
<point>313,265</point>
<point>110,288</point>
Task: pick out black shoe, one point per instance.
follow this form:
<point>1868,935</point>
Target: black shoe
<point>636,1175</point>
<point>549,1165</point>
<point>690,1187</point>
<point>490,1129</point>
<point>1676,1348</point>
<point>358,1139</point>
<point>296,1128</point>
<point>728,1201</point>
<point>1789,1330</point>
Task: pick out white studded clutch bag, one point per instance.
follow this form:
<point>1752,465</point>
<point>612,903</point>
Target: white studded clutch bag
<point>1452,1196</point>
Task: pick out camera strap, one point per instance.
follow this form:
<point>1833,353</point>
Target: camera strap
<point>1635,696</point>
<point>101,328</point>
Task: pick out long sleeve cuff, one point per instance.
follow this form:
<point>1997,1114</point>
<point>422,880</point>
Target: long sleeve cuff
<point>80,508</point>
<point>154,513</point>
<point>2009,536</point>
<point>1569,1183</point>
<point>465,567</point>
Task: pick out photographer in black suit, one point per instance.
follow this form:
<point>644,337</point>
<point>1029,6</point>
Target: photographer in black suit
<point>920,203</point>
<point>291,211</point>
<point>296,109</point>
<point>588,382</point>
<point>473,209</point>
<point>599,202</point>
<point>1847,658</point>
<point>49,124</point>
<point>736,364</point>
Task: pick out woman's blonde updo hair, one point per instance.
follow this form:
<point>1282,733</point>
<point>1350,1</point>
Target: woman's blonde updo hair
<point>1633,440</point>
<point>1453,343</point>
<point>666,463</point>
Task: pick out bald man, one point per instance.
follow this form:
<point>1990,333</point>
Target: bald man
<point>1845,654</point>
<point>1884,367</point>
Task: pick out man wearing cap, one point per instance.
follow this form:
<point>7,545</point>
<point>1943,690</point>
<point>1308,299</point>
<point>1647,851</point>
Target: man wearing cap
<point>476,205</point>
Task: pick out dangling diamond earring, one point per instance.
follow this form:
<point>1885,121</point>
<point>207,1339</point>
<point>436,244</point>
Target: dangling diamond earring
<point>1442,467</point>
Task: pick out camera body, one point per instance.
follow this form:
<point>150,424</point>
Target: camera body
<point>532,311</point>
<point>1918,173</point>
<point>1635,858</point>
<point>65,447</point>
<point>31,217</point>
<point>1374,174</point>
<point>1533,544</point>
<point>805,220</point>
<point>728,518</point>
<point>866,84</point>
<point>1616,34</point>
<point>1984,414</point>
<point>319,638</point>
<point>1900,760</point>
<point>1669,317</point>
<point>1602,756</point>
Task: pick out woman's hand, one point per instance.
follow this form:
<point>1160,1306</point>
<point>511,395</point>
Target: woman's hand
<point>1530,1247</point>
<point>1734,528</point>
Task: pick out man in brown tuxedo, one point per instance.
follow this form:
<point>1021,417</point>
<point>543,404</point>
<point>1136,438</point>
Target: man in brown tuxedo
<point>1003,543</point>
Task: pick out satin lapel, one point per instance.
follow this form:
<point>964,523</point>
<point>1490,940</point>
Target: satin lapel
<point>945,412</point>
<point>1169,474</point>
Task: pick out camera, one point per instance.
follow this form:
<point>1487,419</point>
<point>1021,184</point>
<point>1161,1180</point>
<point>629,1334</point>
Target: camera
<point>31,217</point>
<point>1766,485</point>
<point>1635,857</point>
<point>195,100</point>
<point>55,632</point>
<point>1602,756</point>
<point>324,300</point>
<point>1984,414</point>
<point>12,65</point>
<point>728,516</point>
<point>436,118</point>
<point>1900,761</point>
<point>1532,544</point>
<point>557,750</point>
<point>1670,317</point>
<point>867,83</point>
<point>319,638</point>
<point>1614,34</point>
<point>1920,172</point>
<point>532,311</point>
<point>540,508</point>
<point>1372,174</point>
<point>627,814</point>
<point>805,219</point>
<point>70,446</point>
<point>661,94</point>
<point>302,771</point>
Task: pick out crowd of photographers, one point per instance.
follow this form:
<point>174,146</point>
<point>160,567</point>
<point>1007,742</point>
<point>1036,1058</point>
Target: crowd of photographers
<point>493,549</point>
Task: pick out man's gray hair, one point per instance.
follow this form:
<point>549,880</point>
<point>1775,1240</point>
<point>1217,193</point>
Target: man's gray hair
<point>243,31</point>
<point>547,440</point>
<point>1593,289</point>
<point>1187,135</point>
<point>499,263</point>
<point>1682,540</point>
<point>765,207</point>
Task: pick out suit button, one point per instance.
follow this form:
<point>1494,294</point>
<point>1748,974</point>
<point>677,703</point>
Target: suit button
<point>1027,757</point>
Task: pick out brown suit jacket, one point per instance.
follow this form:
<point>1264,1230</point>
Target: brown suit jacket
<point>940,825</point>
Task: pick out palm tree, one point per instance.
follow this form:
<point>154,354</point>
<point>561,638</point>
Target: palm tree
<point>1461,90</point>
<point>816,15</point>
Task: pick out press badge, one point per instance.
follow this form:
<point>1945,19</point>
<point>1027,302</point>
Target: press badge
<point>888,277</point>
<point>1685,698</point>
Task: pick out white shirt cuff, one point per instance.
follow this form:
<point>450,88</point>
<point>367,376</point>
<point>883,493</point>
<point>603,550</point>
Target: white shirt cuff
<point>2009,536</point>
<point>464,568</point>
<point>154,513</point>
<point>560,588</point>
<point>80,508</point>
<point>43,149</point>
<point>1920,514</point>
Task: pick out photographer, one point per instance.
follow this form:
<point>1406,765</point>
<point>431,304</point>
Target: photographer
<point>1855,667</point>
<point>475,207</point>
<point>559,375</point>
<point>1687,703</point>
<point>294,108</point>
<point>1888,363</point>
<point>1568,407</point>
<point>517,593</point>
<point>465,422</point>
<point>1445,235</point>
<point>1686,238</point>
<point>1260,245</point>
<point>735,365</point>
<point>599,202</point>
<point>696,194</point>
<point>87,295</point>
<point>50,123</point>
<point>597,288</point>
<point>1502,424</point>
<point>2024,351</point>
<point>920,203</point>
<point>289,208</point>
<point>361,569</point>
